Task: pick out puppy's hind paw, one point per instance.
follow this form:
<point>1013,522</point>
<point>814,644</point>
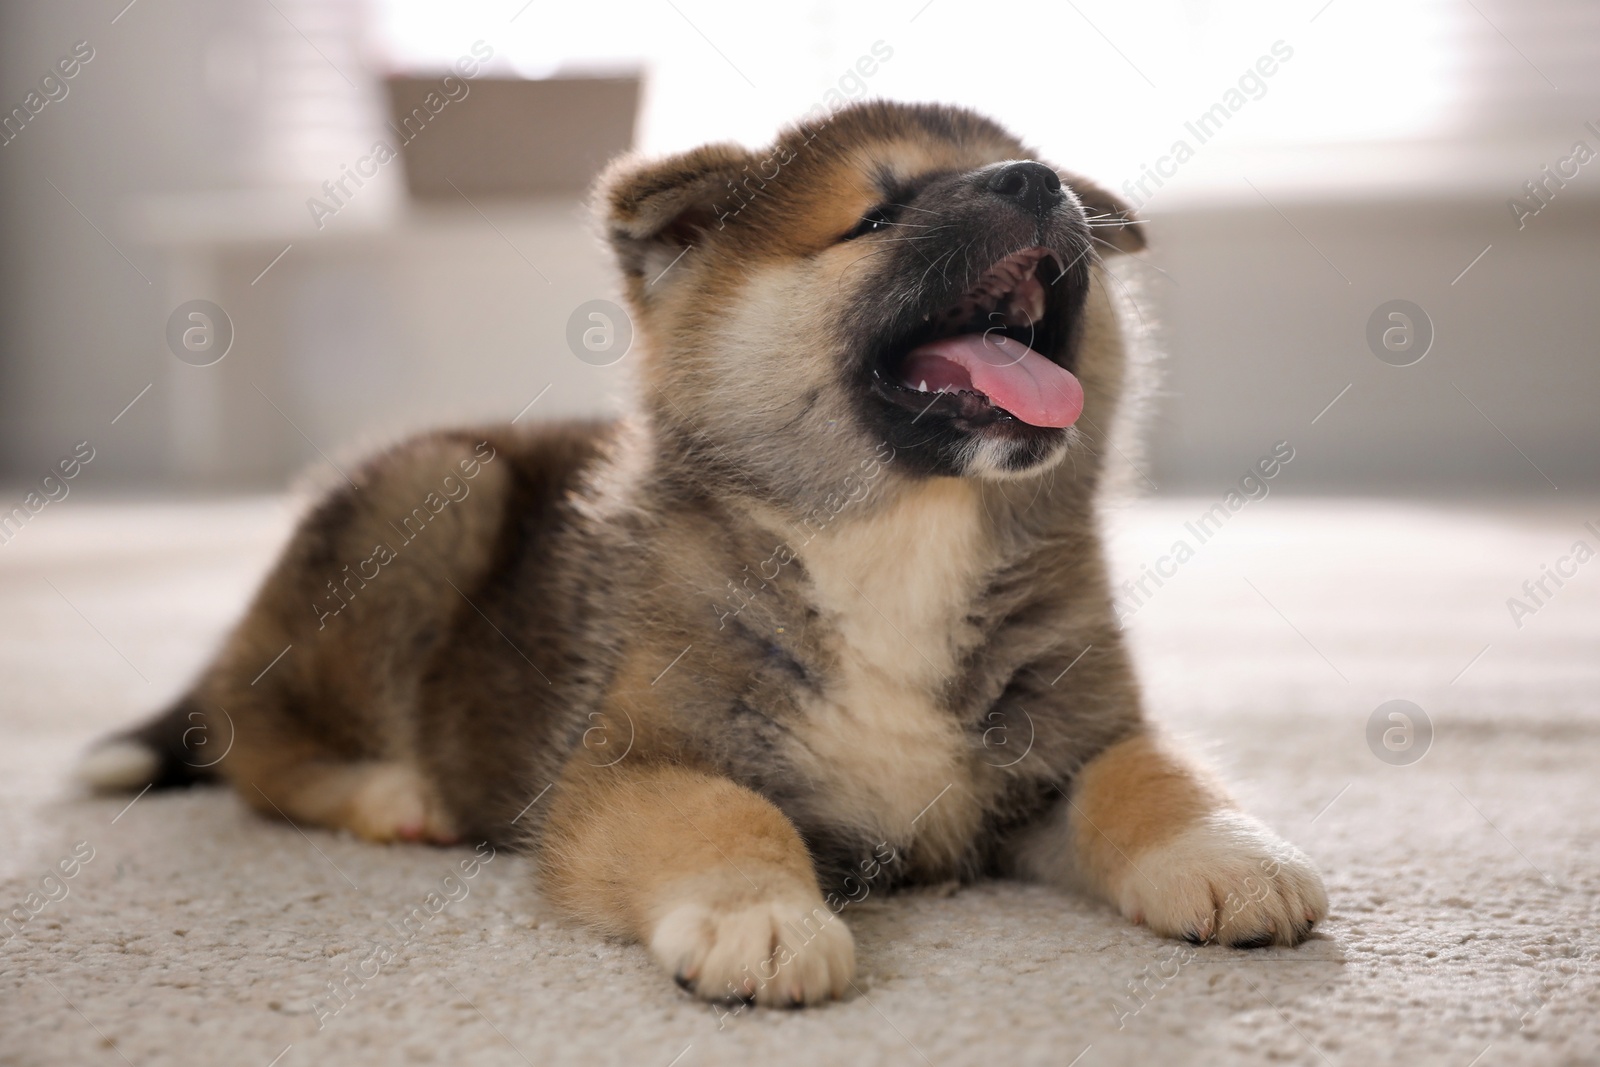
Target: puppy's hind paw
<point>775,953</point>
<point>1226,879</point>
<point>391,801</point>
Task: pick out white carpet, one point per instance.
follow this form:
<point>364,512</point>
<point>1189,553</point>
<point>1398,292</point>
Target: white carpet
<point>1463,886</point>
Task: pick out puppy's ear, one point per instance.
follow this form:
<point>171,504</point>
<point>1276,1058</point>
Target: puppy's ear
<point>654,209</point>
<point>1111,218</point>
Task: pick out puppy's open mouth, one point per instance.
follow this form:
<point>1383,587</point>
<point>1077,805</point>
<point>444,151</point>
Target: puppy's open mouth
<point>996,353</point>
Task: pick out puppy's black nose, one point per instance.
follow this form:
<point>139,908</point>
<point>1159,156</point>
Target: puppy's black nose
<point>1032,186</point>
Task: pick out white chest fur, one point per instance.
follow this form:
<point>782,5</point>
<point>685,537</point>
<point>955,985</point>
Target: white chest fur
<point>894,590</point>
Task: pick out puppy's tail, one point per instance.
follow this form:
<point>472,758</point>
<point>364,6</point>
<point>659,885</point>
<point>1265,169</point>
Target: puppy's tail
<point>173,749</point>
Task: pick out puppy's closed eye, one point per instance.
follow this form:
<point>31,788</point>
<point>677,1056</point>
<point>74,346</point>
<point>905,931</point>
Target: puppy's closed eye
<point>879,218</point>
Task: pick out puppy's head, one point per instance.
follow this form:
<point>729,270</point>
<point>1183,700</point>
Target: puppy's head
<point>888,276</point>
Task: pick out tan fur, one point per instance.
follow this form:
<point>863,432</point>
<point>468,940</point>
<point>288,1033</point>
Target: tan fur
<point>1156,835</point>
<point>897,585</point>
<point>379,802</point>
<point>1131,798</point>
<point>708,873</point>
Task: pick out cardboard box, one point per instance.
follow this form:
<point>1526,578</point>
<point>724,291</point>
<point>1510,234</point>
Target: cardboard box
<point>509,137</point>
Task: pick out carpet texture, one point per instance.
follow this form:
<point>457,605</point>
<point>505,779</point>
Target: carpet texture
<point>1463,884</point>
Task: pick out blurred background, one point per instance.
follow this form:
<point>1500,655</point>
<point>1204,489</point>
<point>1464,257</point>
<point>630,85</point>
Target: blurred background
<point>1304,167</point>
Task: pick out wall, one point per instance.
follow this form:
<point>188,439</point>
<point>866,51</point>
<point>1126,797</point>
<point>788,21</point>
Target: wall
<point>1262,332</point>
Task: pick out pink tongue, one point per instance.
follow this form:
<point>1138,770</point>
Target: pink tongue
<point>1012,375</point>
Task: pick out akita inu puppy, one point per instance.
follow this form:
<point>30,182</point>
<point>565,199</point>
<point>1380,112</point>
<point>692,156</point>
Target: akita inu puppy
<point>828,614</point>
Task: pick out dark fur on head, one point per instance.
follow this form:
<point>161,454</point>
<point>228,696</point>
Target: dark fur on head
<point>754,235</point>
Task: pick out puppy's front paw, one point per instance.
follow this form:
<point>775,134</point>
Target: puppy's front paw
<point>781,953</point>
<point>1227,879</point>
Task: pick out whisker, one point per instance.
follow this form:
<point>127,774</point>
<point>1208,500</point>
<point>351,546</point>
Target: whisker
<point>1109,215</point>
<point>1141,261</point>
<point>935,263</point>
<point>1143,326</point>
<point>845,276</point>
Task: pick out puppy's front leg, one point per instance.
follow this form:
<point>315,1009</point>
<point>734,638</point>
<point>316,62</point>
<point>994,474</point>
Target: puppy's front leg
<point>710,875</point>
<point>1149,832</point>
